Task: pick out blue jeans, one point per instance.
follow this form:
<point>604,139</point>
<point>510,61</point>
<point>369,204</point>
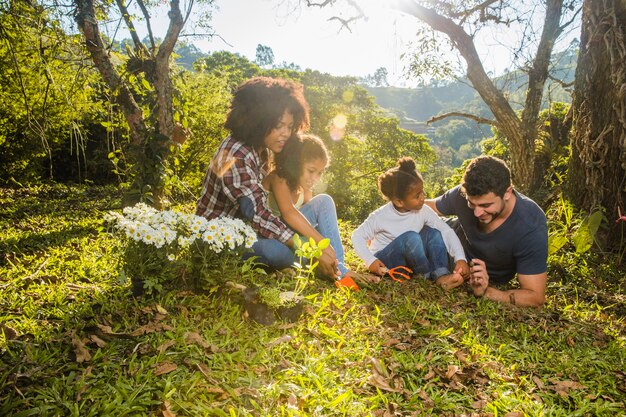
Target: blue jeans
<point>320,211</point>
<point>424,252</point>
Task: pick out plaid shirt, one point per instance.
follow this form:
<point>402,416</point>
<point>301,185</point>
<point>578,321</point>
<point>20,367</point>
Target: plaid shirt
<point>236,171</point>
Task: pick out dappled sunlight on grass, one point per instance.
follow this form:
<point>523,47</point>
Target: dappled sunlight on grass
<point>74,342</point>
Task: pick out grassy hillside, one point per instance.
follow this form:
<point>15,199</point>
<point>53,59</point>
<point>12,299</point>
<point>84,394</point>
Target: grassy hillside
<point>74,342</point>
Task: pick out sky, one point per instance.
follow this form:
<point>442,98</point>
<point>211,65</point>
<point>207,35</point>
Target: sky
<point>307,38</point>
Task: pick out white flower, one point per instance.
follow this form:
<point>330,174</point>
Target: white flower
<point>172,231</point>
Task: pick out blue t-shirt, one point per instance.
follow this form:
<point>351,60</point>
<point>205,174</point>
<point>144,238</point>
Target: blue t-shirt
<point>519,245</point>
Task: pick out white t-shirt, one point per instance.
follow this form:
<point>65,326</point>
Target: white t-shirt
<point>386,223</point>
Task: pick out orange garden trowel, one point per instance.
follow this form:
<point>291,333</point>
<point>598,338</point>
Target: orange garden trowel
<point>347,282</point>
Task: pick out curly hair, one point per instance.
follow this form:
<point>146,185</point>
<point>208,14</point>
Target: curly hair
<point>298,150</point>
<point>395,182</point>
<point>258,105</point>
<point>486,174</point>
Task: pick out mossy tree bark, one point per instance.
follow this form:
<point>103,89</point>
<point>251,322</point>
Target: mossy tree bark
<point>597,167</point>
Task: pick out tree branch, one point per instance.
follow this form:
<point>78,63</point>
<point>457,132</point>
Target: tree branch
<point>475,71</point>
<point>477,119</point>
<point>129,24</point>
<point>85,18</point>
<point>569,22</point>
<point>538,73</point>
<point>320,5</point>
<point>561,82</point>
<point>146,16</point>
<point>163,82</point>
<point>465,13</point>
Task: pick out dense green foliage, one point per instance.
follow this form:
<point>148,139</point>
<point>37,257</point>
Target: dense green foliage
<point>74,342</point>
<point>51,105</point>
<point>85,135</point>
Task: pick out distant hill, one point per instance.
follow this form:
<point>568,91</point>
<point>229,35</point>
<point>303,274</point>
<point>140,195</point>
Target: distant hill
<point>415,106</point>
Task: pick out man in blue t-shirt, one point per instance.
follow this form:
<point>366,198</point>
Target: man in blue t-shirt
<point>505,233</point>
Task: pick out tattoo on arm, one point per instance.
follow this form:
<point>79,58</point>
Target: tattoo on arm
<point>512,298</point>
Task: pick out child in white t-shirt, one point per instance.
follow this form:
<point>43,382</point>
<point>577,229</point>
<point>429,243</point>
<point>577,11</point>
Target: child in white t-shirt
<point>405,232</point>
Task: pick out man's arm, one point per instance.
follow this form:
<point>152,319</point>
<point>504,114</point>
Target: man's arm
<point>531,294</point>
<point>431,203</point>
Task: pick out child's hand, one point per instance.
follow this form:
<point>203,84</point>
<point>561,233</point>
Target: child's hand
<point>461,267</point>
<point>378,268</point>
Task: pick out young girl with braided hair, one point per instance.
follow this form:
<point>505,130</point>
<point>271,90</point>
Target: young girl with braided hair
<point>406,233</point>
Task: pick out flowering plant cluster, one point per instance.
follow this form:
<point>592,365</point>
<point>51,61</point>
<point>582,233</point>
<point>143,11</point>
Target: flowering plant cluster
<point>165,245</point>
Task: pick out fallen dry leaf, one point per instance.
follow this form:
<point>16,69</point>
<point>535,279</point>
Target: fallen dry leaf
<point>165,368</point>
<point>217,390</point>
<point>380,382</point>
<point>252,392</point>
<point>9,332</point>
<point>514,414</point>
<point>107,330</point>
<point>430,374</point>
<point>99,342</point>
<point>282,339</point>
<point>461,356</point>
<point>390,342</point>
<point>538,382</point>
<point>292,401</point>
<point>165,346</point>
<point>478,404</point>
<point>150,328</point>
<point>428,402</point>
<point>377,366</point>
<point>195,338</point>
<point>82,354</point>
<point>166,409</point>
<point>423,322</point>
<point>563,387</point>
<point>452,370</point>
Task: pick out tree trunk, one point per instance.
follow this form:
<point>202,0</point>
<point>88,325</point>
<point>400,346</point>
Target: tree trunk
<point>597,167</point>
<point>86,19</point>
<point>537,76</point>
<point>150,137</point>
<point>520,132</point>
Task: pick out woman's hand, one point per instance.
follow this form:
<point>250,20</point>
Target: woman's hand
<point>330,251</point>
<point>479,278</point>
<point>328,264</point>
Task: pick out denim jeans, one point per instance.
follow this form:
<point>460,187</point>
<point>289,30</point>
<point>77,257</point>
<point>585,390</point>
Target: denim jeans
<point>424,252</point>
<point>321,213</point>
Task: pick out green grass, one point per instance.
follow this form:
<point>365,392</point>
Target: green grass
<point>70,343</point>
